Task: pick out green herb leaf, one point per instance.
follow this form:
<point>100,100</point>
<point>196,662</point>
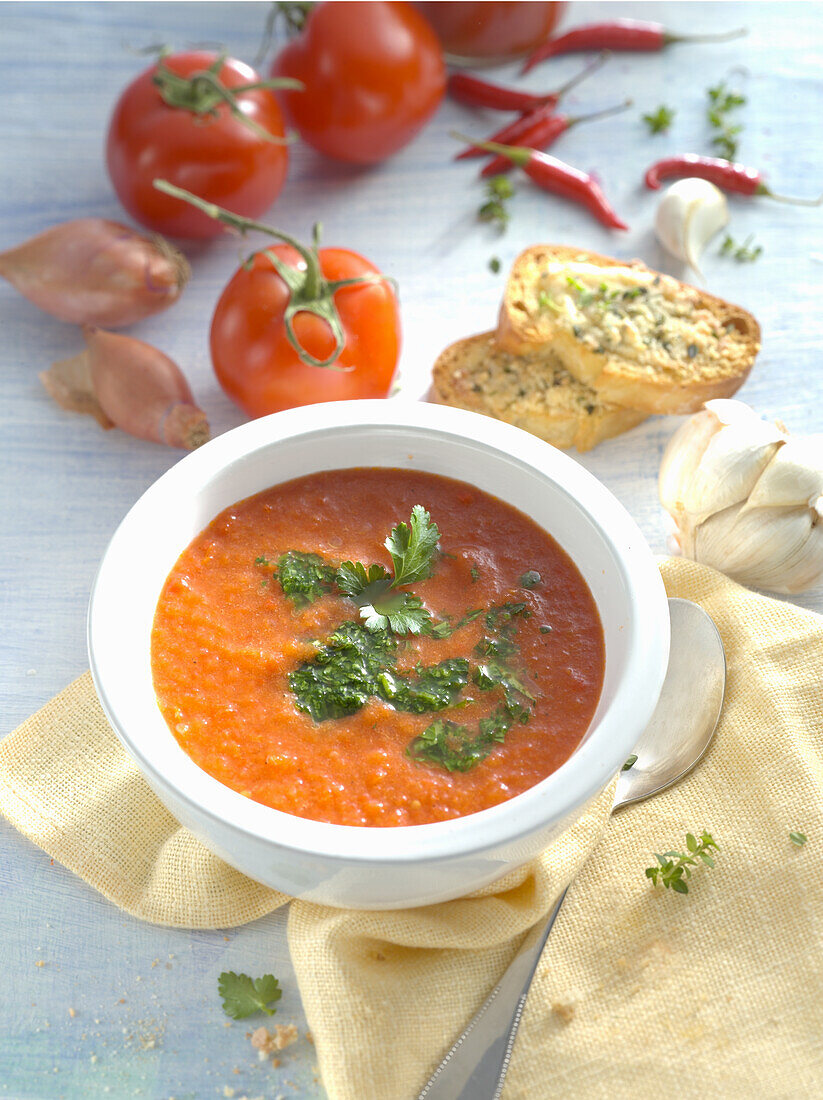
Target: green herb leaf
<point>353,579</point>
<point>243,996</point>
<point>530,579</point>
<point>400,612</point>
<point>673,868</point>
<point>630,763</point>
<point>721,102</point>
<point>799,839</point>
<point>449,745</point>
<point>660,121</point>
<point>494,265</point>
<point>499,190</point>
<point>743,253</point>
<point>412,548</point>
<point>475,574</point>
<point>343,676</point>
<point>304,578</point>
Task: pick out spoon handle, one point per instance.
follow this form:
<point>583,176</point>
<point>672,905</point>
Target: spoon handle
<point>486,1044</point>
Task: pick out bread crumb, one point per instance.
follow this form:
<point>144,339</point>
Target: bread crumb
<point>266,1042</point>
<point>228,1091</point>
<point>72,1013</point>
<point>565,1013</point>
<point>40,962</point>
<point>309,1038</point>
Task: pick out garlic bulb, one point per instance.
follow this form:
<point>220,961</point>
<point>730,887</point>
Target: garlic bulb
<point>689,214</point>
<point>746,498</point>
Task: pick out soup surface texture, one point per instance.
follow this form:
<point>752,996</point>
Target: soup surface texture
<point>295,679</point>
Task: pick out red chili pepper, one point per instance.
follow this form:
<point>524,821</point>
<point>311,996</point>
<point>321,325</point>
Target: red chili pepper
<point>722,173</point>
<point>482,93</point>
<point>553,175</point>
<point>542,133</point>
<point>620,34</point>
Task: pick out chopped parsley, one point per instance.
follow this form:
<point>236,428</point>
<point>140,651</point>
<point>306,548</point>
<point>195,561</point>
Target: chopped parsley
<point>304,578</point>
<point>494,265</point>
<point>357,662</point>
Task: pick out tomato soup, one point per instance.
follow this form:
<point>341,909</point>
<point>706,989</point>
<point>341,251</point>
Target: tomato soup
<point>376,647</point>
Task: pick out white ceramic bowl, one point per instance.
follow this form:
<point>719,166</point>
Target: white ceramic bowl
<point>372,867</point>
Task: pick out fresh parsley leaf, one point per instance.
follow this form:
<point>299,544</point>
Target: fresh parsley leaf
<point>531,579</point>
<point>499,616</point>
<point>353,579</point>
<point>494,265</point>
<point>673,868</point>
<point>475,574</point>
<point>445,627</point>
<point>399,612</point>
<point>412,547</point>
<point>798,839</point>
<point>304,578</point>
<point>660,121</point>
<point>243,996</point>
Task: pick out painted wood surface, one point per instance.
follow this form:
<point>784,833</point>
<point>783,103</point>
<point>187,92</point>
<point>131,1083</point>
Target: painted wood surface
<point>147,1020</point>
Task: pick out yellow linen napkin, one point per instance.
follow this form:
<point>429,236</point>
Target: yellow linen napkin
<point>718,993</point>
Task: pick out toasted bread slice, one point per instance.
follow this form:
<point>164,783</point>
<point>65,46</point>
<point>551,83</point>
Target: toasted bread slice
<point>530,391</point>
<point>641,339</point>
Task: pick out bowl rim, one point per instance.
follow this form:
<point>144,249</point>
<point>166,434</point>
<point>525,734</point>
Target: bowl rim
<point>551,801</point>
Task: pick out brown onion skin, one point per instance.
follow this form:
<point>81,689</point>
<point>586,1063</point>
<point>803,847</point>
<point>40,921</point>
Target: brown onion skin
<point>97,272</point>
<point>142,391</point>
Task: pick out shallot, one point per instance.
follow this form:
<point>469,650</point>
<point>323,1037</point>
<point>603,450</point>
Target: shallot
<point>125,383</point>
<point>97,272</point>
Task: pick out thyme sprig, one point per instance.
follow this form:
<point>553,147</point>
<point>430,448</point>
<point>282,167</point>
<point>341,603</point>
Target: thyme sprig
<point>673,868</point>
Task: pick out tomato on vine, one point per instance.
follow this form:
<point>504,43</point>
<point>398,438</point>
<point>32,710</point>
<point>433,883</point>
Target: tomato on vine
<point>300,324</point>
<point>205,121</point>
<point>373,76</point>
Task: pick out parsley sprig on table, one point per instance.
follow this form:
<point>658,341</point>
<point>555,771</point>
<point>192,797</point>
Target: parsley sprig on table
<point>673,868</point>
<point>243,996</point>
<point>661,120</point>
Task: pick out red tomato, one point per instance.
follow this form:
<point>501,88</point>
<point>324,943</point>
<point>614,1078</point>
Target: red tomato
<point>258,367</point>
<point>216,156</point>
<point>373,75</point>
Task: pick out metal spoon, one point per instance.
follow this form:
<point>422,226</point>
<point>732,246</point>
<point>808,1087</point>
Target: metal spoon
<point>674,740</point>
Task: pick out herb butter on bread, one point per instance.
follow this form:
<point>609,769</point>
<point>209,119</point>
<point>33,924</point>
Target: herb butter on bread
<point>532,391</point>
<point>640,339</point>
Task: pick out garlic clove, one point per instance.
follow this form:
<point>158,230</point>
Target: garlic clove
<point>731,464</point>
<point>777,549</point>
<point>689,214</point>
<point>682,457</point>
<point>793,477</point>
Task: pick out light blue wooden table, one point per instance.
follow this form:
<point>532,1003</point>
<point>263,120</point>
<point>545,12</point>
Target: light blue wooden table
<point>121,1008</point>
